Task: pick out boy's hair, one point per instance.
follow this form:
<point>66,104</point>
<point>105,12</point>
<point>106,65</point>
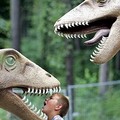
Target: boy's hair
<point>65,104</point>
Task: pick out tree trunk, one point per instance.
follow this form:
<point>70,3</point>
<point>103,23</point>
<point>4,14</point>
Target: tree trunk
<point>15,21</point>
<point>103,77</point>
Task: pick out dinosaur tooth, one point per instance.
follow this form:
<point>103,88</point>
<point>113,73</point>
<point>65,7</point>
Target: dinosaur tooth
<point>38,112</point>
<point>72,36</point>
<point>77,23</point>
<point>51,91</point>
<point>39,92</point>
<point>61,25</point>
<point>82,36</point>
<point>75,35</point>
<point>96,52</point>
<point>92,56</point>
<point>32,107</point>
<point>29,104</point>
<point>67,26</point>
<point>35,109</point>
<point>46,91</point>
<point>36,91</point>
<point>85,36</point>
<point>91,60</point>
<point>73,24</point>
<point>26,101</point>
<point>79,36</point>
<point>83,23</point>
<point>86,23</point>
<point>59,89</point>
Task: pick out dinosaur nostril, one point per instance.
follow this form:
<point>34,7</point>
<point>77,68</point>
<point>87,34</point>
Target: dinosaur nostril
<point>48,74</point>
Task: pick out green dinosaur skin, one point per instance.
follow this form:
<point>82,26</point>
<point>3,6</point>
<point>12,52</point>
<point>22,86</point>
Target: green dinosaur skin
<point>94,16</point>
<point>16,71</point>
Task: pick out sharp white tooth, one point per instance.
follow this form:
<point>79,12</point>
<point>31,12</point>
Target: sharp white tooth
<point>62,26</point>
<point>86,23</point>
<point>79,36</point>
<point>28,90</point>
<point>83,23</point>
<point>39,91</point>
<point>91,60</point>
<point>36,91</point>
<point>56,89</point>
<point>32,90</point>
<point>69,24</point>
<point>29,104</point>
<point>66,36</point>
<point>85,36</point>
<point>59,89</point>
<point>75,35</point>
<point>26,101</point>
<point>73,24</point>
<point>55,29</point>
<point>94,53</point>
<point>79,23</point>
<point>38,112</point>
<point>24,98</point>
<point>47,91</point>
<point>98,48</point>
<point>32,107</point>
<point>103,38</point>
<point>44,116</point>
<point>58,27</point>
<point>35,109</point>
<point>82,36</point>
<point>69,36</point>
<point>43,91</point>
<point>51,91</point>
<point>66,25</point>
<point>92,56</point>
<point>41,114</point>
<point>72,36</point>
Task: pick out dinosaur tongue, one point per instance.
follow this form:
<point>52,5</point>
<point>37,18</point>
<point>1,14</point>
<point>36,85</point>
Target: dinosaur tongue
<point>97,37</point>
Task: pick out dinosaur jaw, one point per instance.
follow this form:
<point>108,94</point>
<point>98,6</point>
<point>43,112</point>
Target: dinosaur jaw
<point>15,100</point>
<point>77,29</point>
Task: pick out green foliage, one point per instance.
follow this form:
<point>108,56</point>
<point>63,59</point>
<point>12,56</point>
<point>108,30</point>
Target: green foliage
<point>90,105</point>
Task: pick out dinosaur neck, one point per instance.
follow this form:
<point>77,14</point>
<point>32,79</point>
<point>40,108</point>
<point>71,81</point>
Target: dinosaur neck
<point>7,100</point>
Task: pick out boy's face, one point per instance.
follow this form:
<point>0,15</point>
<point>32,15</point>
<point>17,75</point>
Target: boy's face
<point>51,104</point>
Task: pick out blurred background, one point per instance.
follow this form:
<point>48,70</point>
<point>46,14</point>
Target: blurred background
<point>93,90</point>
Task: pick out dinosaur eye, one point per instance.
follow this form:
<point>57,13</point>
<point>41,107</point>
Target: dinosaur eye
<point>10,61</point>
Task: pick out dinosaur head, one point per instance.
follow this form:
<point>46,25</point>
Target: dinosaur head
<point>20,77</point>
<point>101,17</point>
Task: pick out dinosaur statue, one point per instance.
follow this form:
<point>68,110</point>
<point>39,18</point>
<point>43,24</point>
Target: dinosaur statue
<point>101,17</point>
<point>20,77</point>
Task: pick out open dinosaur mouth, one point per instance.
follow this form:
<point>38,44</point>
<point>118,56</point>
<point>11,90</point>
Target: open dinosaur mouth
<point>22,93</point>
<point>101,27</point>
<point>81,29</point>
